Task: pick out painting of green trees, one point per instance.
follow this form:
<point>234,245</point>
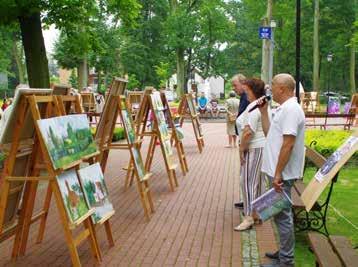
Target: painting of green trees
<point>67,139</point>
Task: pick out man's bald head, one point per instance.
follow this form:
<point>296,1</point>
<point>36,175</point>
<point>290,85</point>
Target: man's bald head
<point>283,87</point>
<point>285,81</point>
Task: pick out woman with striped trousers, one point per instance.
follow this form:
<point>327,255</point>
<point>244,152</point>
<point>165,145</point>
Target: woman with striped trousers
<point>251,148</point>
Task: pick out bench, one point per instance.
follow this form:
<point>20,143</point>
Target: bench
<point>315,219</point>
<point>332,251</point>
<point>347,123</point>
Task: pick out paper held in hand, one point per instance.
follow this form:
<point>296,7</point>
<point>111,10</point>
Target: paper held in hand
<point>271,203</point>
<point>335,157</point>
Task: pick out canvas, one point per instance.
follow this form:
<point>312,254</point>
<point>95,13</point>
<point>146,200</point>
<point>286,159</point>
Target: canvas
<point>191,106</point>
<point>138,163</point>
<point>127,122</point>
<point>67,138</point>
<point>72,195</point>
<point>157,101</point>
<point>95,191</point>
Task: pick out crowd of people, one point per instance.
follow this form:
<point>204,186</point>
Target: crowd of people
<point>271,149</point>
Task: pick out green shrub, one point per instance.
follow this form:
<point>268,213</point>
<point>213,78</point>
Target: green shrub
<point>117,135</point>
<point>327,141</point>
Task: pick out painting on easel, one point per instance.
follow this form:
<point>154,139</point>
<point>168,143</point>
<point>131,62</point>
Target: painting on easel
<point>67,138</point>
<point>138,162</point>
<point>72,195</point>
<point>128,126</point>
<point>95,191</point>
<point>191,106</point>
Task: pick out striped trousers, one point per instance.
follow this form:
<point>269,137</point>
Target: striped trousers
<point>253,180</point>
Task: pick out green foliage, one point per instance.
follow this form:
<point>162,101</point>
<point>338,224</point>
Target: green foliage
<point>163,72</point>
<point>133,82</point>
<point>117,135</point>
<point>327,141</point>
<point>73,79</point>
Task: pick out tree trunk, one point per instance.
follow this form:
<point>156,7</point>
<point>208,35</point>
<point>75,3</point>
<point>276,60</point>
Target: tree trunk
<point>352,68</point>
<point>180,71</point>
<point>35,51</point>
<point>316,57</point>
<point>266,46</point>
<point>82,74</point>
<point>18,61</point>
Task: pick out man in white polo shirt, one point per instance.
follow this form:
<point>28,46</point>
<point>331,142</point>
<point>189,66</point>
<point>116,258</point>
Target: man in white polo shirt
<point>283,158</point>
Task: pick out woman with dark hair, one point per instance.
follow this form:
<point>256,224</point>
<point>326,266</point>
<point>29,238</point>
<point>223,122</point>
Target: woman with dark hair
<point>251,148</point>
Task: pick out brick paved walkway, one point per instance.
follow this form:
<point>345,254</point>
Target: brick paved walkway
<point>191,227</point>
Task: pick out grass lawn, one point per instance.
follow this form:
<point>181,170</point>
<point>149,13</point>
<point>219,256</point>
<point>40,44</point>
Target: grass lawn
<point>345,200</point>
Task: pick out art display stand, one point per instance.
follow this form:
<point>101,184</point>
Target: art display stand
<point>72,105</point>
<point>187,110</point>
<point>174,134</point>
<point>41,107</point>
<point>113,108</point>
<point>156,135</point>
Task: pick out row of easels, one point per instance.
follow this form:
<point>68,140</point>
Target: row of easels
<point>28,162</point>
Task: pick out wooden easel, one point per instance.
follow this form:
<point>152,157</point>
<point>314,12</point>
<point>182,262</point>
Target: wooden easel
<point>71,105</point>
<point>133,145</point>
<point>174,135</point>
<point>45,106</point>
<point>187,110</point>
<point>107,121</point>
<point>147,106</point>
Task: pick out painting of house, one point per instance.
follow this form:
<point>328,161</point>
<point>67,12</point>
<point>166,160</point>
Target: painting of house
<point>67,138</point>
<point>72,195</point>
<point>95,191</point>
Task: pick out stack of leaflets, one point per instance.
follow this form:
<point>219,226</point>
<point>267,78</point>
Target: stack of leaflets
<point>270,203</point>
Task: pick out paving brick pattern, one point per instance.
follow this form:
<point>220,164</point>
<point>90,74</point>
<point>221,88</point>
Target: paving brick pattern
<point>192,226</point>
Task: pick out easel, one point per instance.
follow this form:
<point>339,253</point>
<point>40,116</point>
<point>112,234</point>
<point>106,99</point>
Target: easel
<point>133,146</point>
<point>37,106</point>
<point>187,110</point>
<point>147,105</point>
<point>174,135</point>
<point>107,121</point>
<point>72,105</point>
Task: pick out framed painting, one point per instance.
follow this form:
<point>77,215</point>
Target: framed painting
<point>67,138</point>
<point>72,195</point>
<point>95,191</point>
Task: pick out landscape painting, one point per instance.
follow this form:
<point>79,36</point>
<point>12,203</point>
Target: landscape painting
<point>127,122</point>
<point>95,191</point>
<point>72,195</point>
<point>138,163</point>
<point>67,138</point>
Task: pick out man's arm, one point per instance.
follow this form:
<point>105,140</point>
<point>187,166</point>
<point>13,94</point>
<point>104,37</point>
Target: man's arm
<point>283,158</point>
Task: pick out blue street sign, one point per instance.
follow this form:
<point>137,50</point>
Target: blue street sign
<point>265,32</point>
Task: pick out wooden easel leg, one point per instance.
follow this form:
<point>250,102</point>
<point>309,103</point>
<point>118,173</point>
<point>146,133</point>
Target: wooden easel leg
<point>143,198</point>
<point>171,180</point>
<point>175,178</point>
<point>181,158</point>
<point>28,216</point>
<point>129,174</point>
<point>46,208</point>
<point>151,149</point>
<point>184,158</point>
<point>93,239</point>
<point>108,229</point>
<point>149,196</point>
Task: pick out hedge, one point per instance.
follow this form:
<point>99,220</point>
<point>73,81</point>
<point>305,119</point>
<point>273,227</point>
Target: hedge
<point>327,141</point>
<point>117,135</point>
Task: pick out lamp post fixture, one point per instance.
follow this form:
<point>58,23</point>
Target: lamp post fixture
<point>329,60</point>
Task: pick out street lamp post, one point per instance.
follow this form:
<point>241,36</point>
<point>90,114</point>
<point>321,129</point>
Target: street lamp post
<point>329,60</point>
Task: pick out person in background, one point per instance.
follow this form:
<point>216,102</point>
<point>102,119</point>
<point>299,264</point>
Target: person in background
<point>202,103</point>
<point>214,106</point>
<point>4,104</point>
<point>283,158</point>
<point>251,149</point>
<point>232,108</point>
<point>237,82</point>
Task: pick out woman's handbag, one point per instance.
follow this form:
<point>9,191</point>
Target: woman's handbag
<point>231,117</point>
